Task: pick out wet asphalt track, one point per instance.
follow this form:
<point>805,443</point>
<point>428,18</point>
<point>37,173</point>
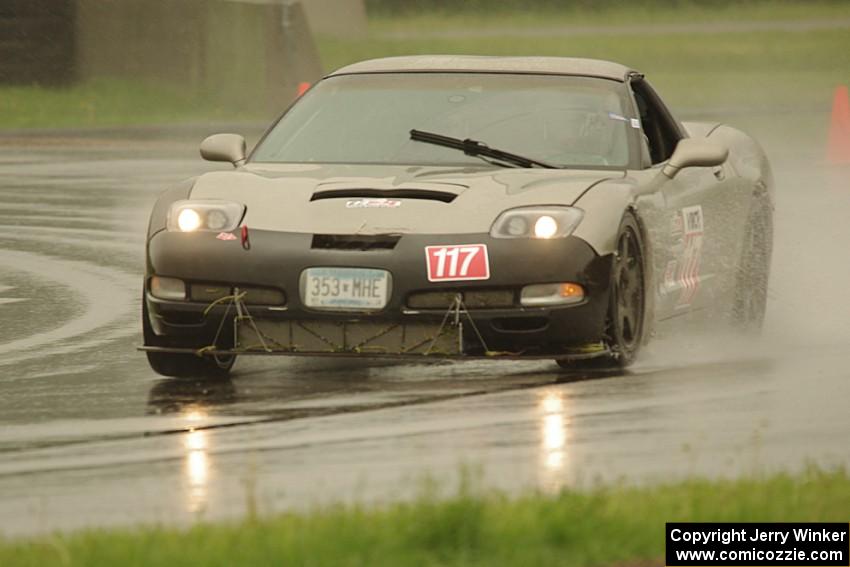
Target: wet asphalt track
<point>89,436</point>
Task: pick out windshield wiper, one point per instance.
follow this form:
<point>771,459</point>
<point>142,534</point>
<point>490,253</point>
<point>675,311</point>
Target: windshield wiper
<point>476,149</point>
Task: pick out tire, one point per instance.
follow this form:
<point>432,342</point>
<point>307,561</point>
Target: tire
<point>750,301</point>
<point>624,325</point>
<point>177,365</point>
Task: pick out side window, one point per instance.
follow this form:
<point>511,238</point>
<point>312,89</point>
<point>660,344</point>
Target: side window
<point>660,131</point>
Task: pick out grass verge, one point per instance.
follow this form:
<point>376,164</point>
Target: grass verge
<point>765,70</point>
<point>603,526</point>
<point>110,102</point>
<point>486,14</point>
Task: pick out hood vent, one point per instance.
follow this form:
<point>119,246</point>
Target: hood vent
<point>421,194</point>
<point>362,242</point>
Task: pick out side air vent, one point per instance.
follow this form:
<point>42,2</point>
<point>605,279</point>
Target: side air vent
<point>355,241</point>
<point>420,194</point>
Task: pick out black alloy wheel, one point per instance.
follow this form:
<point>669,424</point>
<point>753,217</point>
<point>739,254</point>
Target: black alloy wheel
<point>628,295</point>
<point>624,324</point>
<point>750,301</point>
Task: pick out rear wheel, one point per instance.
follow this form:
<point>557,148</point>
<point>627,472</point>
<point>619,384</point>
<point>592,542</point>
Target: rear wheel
<point>750,302</point>
<point>178,365</point>
<point>627,306</point>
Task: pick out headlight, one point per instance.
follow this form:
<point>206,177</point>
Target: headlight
<point>545,227</point>
<point>188,220</point>
<point>210,216</point>
<point>537,222</point>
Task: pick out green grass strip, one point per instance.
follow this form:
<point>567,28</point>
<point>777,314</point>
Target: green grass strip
<point>111,102</point>
<point>478,14</point>
<point>736,71</point>
<point>602,526</point>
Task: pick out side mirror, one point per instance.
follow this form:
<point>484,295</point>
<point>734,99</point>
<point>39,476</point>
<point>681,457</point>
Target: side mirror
<point>224,147</point>
<point>693,152</point>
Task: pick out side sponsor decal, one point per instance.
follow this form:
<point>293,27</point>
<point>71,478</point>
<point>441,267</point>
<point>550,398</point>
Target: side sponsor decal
<point>461,262</point>
<point>689,267</point>
<point>670,276</point>
<point>677,227</point>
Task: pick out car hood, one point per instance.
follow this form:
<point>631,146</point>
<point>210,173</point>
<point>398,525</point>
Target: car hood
<point>333,199</point>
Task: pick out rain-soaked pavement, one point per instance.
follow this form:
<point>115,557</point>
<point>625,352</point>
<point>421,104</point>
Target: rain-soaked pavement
<point>89,436</point>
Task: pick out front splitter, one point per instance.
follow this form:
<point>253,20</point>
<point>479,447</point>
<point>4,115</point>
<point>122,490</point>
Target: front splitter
<point>409,357</point>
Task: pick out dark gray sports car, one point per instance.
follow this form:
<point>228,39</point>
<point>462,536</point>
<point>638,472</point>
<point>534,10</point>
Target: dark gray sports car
<point>443,206</point>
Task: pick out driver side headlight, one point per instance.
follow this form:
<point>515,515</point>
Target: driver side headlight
<point>537,222</point>
<point>204,215</point>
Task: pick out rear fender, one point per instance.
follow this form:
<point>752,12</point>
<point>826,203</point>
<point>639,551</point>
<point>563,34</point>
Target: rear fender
<point>699,129</point>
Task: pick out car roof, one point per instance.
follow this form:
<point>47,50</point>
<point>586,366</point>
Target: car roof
<point>490,64</point>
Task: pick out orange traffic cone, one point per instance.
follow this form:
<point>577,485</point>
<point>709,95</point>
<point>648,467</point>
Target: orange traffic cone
<point>838,147</point>
<point>304,87</point>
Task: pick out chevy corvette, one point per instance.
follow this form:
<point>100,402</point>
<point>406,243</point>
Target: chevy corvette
<point>460,207</point>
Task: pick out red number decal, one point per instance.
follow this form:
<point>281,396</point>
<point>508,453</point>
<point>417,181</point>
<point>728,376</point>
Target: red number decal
<point>457,263</point>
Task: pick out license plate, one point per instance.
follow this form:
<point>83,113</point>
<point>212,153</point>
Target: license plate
<point>354,289</point>
<point>457,263</point>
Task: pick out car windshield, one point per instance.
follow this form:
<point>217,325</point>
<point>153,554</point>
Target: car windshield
<point>569,122</point>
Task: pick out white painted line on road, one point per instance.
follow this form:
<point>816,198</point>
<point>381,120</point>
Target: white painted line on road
<point>4,288</point>
<point>109,297</point>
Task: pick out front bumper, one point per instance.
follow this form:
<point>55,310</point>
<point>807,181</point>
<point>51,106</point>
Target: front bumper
<point>277,259</point>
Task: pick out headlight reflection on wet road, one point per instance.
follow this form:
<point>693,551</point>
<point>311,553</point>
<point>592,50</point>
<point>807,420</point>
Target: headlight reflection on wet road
<point>553,444</point>
<point>197,465</point>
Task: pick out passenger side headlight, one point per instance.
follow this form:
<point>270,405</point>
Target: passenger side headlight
<point>204,215</point>
<point>537,222</point>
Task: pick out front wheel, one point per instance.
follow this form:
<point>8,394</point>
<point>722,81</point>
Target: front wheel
<point>178,365</point>
<point>627,309</point>
<point>624,324</point>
